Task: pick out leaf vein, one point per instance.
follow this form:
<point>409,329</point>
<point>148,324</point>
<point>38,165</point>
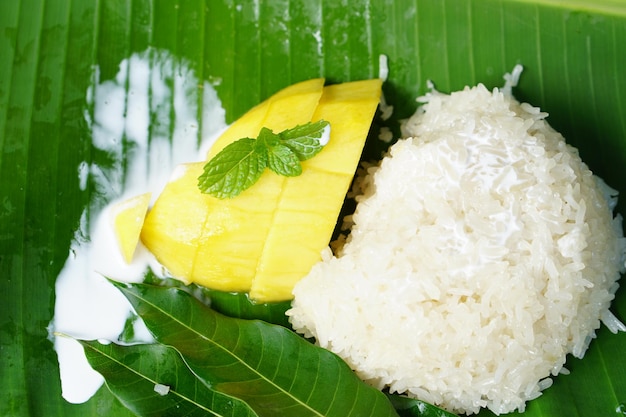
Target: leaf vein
<point>227,351</point>
<point>145,377</point>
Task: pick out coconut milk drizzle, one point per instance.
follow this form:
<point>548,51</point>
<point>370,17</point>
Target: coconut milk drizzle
<point>130,116</point>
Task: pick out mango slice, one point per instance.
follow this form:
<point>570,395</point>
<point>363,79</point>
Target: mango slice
<point>267,238</point>
<point>310,203</point>
<point>128,218</point>
<point>216,243</point>
<point>279,112</point>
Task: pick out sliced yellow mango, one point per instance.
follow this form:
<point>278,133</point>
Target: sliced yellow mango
<point>173,227</point>
<point>268,237</point>
<point>128,217</point>
<point>310,203</point>
<point>350,108</point>
<point>299,232</point>
<point>277,113</point>
<point>213,242</point>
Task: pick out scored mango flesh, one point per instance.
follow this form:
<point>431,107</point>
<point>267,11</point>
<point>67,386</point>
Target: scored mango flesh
<point>267,238</point>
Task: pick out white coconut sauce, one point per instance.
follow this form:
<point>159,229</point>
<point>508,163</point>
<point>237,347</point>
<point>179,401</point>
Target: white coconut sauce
<point>149,86</point>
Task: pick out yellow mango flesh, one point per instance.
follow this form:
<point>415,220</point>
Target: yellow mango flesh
<point>201,239</point>
<point>216,243</point>
<point>289,107</point>
<point>310,203</point>
<point>128,218</point>
<point>267,238</point>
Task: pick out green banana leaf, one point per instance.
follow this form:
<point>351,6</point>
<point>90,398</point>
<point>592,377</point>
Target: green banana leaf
<point>572,52</point>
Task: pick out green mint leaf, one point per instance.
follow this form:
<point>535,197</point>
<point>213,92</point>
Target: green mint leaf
<point>304,148</point>
<point>312,130</point>
<point>267,138</point>
<point>239,165</point>
<point>283,161</point>
<point>304,140</point>
<point>280,158</point>
<point>235,168</point>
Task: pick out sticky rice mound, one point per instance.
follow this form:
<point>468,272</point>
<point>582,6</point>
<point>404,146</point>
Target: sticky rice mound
<point>483,251</point>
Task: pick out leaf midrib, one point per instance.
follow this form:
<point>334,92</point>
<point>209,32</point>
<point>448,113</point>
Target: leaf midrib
<point>224,349</point>
<point>145,377</point>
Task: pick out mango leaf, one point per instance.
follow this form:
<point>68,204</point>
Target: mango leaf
<point>232,304</point>
<point>271,368</point>
<point>239,305</point>
<point>152,380</point>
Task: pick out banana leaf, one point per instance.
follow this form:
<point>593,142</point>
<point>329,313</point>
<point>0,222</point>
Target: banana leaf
<point>574,61</point>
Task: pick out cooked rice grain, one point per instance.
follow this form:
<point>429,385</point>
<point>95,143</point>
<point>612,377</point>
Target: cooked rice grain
<point>483,251</point>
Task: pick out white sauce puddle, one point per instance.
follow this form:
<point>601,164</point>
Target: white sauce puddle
<point>153,98</point>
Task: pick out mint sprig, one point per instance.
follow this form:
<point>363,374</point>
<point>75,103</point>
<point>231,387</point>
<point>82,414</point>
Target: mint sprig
<point>305,140</point>
<point>240,164</point>
<point>235,168</point>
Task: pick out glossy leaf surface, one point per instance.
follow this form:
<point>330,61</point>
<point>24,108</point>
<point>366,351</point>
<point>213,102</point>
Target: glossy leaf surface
<point>153,380</point>
<point>271,368</point>
<point>574,63</point>
<point>237,305</point>
<point>409,407</point>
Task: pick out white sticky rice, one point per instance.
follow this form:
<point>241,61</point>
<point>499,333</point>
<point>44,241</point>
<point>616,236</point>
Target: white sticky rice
<point>483,251</point>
